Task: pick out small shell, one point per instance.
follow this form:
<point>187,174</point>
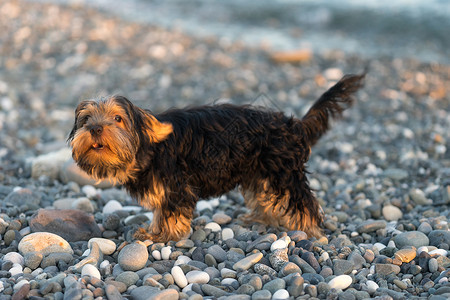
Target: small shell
<point>405,255</point>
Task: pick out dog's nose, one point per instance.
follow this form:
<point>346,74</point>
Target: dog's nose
<point>96,130</point>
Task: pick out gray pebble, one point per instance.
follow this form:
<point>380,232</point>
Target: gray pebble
<point>278,258</point>
<point>218,253</point>
<point>198,235</point>
<point>262,295</point>
<point>290,268</point>
<point>246,289</point>
<point>438,237</point>
<point>32,260</point>
<point>263,269</point>
<point>212,291</point>
<point>341,267</point>
<point>411,238</point>
<point>433,265</point>
<point>274,285</point>
<point>295,287</point>
<point>112,293</point>
<point>128,277</point>
<point>133,257</point>
<point>152,293</point>
<point>186,243</point>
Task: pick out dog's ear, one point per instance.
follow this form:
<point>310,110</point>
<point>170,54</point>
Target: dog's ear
<point>79,108</point>
<point>158,131</point>
<point>144,121</point>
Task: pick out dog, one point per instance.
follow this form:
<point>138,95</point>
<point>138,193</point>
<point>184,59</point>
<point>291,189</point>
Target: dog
<point>168,161</point>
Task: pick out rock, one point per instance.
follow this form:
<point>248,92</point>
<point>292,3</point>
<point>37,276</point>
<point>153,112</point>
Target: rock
<point>227,233</point>
<point>133,257</point>
<point>262,269</point>
<point>32,260</point>
<point>278,258</point>
<point>418,196</point>
<point>221,218</point>
<point>213,226</point>
<point>185,243</point>
<point>24,196</point>
<point>411,238</point>
<point>213,291</point>
<point>340,282</point>
<point>14,257</point>
<point>111,221</point>
<point>265,239</point>
<point>392,213</point>
<point>295,287</point>
<point>73,225</point>
<point>290,268</point>
<point>405,255</point>
<point>356,259</point>
<point>83,204</point>
<point>370,226</point>
<point>44,243</point>
<point>90,270</point>
<point>275,285</point>
<point>262,295</point>
<point>112,292</point>
<point>165,252</point>
<point>438,237</point>
<point>297,236</point>
<point>386,269</point>
<point>218,253</point>
<point>341,267</point>
<point>152,293</point>
<point>279,244</point>
<point>94,258</point>
<point>396,174</point>
<point>197,277</point>
<point>106,246</point>
<point>372,286</point>
<point>112,206</point>
<point>69,171</point>
<point>179,277</point>
<point>280,295</point>
<point>50,164</point>
<point>127,277</point>
<point>425,227</point>
<point>247,262</point>
<point>54,258</point>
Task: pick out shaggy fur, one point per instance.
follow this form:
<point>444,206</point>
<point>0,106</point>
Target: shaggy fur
<point>168,161</point>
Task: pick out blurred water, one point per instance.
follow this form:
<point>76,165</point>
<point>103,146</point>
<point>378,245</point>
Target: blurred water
<point>372,28</point>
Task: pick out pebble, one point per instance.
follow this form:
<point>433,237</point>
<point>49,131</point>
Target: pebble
<point>247,262</point>
<point>213,291</point>
<point>218,253</point>
<point>165,252</point>
<point>197,277</point>
<point>221,218</point>
<point>152,293</point>
<point>392,213</point>
<point>106,246</point>
<point>278,258</point>
<point>341,267</point>
<point>340,282</point>
<point>213,226</point>
<point>133,257</point>
<point>90,270</point>
<point>279,244</point>
<point>262,295</point>
<point>275,285</point>
<point>44,243</point>
<point>179,277</point>
<point>280,295</point>
<point>112,206</point>
<point>370,226</point>
<point>127,277</point>
<point>411,238</point>
<point>227,233</point>
<point>14,257</point>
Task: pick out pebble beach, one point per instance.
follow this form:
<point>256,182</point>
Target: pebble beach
<point>381,174</point>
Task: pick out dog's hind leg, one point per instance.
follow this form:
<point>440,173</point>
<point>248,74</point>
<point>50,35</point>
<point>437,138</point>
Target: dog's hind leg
<point>291,210</point>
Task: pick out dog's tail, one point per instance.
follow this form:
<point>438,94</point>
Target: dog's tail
<point>331,104</point>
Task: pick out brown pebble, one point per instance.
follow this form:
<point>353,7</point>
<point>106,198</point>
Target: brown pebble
<point>405,255</point>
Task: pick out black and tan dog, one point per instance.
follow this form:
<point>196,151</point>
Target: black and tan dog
<point>168,161</point>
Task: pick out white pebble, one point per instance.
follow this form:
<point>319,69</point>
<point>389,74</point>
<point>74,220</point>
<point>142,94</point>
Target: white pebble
<point>280,295</point>
<point>133,208</point>
<point>90,270</point>
<point>112,206</point>
<point>213,226</point>
<point>16,269</point>
<point>165,252</point>
<point>86,252</point>
<point>354,233</point>
<point>214,202</point>
<point>197,277</point>
<point>392,213</point>
<point>372,286</point>
<point>379,246</point>
<point>224,271</point>
<point>278,244</point>
<point>156,254</point>
<point>227,233</point>
<point>228,281</point>
<point>391,244</point>
<point>438,252</point>
<point>89,191</point>
<point>340,282</point>
<point>179,277</point>
<point>286,238</point>
<point>182,260</point>
<point>14,257</point>
<point>106,246</point>
<point>422,249</point>
<point>325,256</point>
<point>104,264</point>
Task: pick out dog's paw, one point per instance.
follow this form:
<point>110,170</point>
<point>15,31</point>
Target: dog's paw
<point>143,235</point>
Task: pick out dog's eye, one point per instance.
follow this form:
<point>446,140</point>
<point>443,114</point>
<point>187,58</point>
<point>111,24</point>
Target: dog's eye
<point>118,119</point>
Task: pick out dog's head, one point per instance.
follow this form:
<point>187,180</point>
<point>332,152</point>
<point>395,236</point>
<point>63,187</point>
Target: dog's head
<point>108,133</point>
